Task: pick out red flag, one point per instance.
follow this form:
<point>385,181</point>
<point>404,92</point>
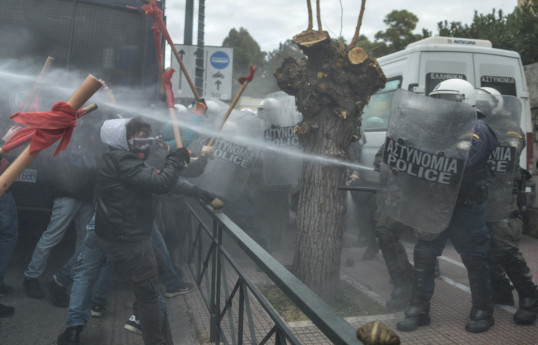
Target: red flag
<point>167,76</point>
<point>247,78</point>
<point>154,12</point>
<point>44,128</point>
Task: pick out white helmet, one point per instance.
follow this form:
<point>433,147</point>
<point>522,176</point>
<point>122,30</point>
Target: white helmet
<point>490,99</point>
<point>180,108</point>
<point>458,90</point>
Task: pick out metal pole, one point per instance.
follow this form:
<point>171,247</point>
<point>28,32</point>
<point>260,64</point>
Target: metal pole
<point>71,35</point>
<point>189,13</point>
<point>199,74</point>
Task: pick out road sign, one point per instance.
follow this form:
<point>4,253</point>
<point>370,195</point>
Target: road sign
<point>218,72</point>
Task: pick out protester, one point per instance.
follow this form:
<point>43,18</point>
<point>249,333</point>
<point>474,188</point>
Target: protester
<point>9,232</point>
<point>74,172</point>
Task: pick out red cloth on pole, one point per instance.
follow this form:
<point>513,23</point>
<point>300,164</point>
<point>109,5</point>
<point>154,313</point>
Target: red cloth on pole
<point>247,78</point>
<point>44,128</point>
<point>151,10</point>
<point>167,82</point>
<point>157,40</point>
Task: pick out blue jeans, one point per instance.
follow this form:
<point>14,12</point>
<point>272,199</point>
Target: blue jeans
<point>9,231</point>
<point>170,277</point>
<point>65,210</point>
<point>91,272</point>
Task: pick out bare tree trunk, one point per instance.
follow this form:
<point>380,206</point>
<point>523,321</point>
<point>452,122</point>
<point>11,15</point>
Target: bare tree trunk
<point>331,88</point>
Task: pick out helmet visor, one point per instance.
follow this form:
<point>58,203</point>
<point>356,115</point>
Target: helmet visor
<point>448,96</point>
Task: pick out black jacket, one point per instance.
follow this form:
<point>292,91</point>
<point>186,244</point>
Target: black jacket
<point>123,194</point>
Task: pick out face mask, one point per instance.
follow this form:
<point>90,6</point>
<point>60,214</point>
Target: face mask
<point>141,146</point>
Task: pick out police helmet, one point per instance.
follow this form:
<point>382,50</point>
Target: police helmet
<point>489,100</point>
<point>457,90</point>
<point>180,108</point>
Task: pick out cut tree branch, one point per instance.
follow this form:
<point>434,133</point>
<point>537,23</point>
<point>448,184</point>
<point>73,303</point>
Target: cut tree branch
<point>318,15</point>
<point>358,28</point>
<point>309,5</point>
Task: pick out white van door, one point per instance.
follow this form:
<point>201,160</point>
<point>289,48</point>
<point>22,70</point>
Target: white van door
<point>505,74</point>
<point>438,66</point>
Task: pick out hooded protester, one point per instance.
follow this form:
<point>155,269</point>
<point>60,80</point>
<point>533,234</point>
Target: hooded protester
<point>124,213</point>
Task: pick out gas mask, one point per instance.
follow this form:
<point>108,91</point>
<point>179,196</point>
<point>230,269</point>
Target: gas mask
<point>141,146</point>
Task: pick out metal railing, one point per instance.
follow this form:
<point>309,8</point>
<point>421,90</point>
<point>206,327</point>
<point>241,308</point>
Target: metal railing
<point>233,300</point>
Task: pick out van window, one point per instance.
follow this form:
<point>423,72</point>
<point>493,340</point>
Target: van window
<point>375,116</point>
<point>434,78</point>
<point>505,85</point>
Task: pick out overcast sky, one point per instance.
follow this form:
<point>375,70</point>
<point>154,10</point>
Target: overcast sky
<point>271,22</point>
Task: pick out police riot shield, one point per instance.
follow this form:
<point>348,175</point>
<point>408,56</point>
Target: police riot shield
<point>281,157</point>
<point>235,154</point>
<point>503,115</point>
<point>426,147</point>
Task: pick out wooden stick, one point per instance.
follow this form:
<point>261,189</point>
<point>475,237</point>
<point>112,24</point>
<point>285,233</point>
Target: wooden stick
<point>88,109</point>
<point>177,137</point>
<point>228,112</point>
<point>88,87</point>
<point>182,66</point>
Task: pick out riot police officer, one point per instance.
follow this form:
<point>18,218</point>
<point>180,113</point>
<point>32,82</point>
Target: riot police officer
<point>504,222</point>
<point>467,228</point>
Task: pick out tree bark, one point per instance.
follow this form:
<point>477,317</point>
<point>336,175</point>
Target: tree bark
<point>331,87</point>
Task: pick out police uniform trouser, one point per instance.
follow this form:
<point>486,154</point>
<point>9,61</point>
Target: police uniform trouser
<point>505,235</point>
<point>468,232</point>
<point>388,236</point>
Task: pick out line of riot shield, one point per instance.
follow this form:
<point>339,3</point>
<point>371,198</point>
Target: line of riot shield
<point>503,115</point>
<point>426,147</point>
<point>282,158</point>
<point>235,154</point>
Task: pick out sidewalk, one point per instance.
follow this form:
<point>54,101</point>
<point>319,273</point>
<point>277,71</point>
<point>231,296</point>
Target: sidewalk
<point>450,305</point>
<point>38,322</point>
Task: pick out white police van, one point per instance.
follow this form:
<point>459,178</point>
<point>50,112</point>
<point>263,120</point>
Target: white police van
<point>424,64</point>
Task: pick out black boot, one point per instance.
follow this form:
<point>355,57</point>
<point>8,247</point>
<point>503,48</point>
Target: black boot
<point>481,316</point>
<point>418,312</point>
<point>71,336</point>
<point>519,273</point>
<point>400,270</point>
<point>528,309</point>
<point>480,320</point>
<point>400,296</point>
<point>414,317</point>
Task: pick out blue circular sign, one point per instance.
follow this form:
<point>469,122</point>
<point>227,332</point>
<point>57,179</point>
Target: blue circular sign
<point>219,60</point>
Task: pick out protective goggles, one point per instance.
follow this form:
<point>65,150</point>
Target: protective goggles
<point>141,143</point>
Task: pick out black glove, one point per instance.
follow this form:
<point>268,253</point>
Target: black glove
<point>182,154</point>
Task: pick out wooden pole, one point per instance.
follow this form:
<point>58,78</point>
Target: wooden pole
<point>182,66</point>
<point>88,109</point>
<point>228,112</point>
<point>88,87</point>
<point>177,137</point>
